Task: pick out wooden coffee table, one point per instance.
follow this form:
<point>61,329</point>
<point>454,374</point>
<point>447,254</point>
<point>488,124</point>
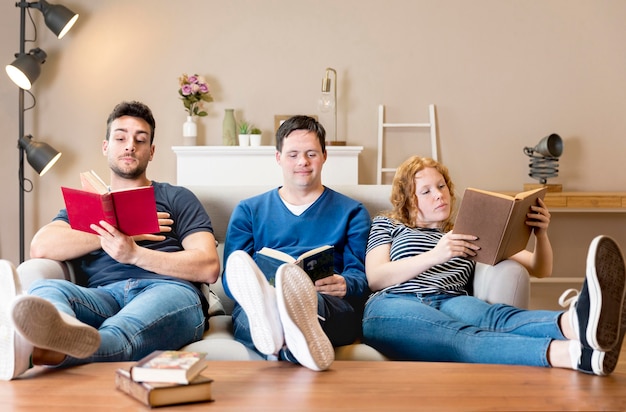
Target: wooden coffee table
<point>348,385</point>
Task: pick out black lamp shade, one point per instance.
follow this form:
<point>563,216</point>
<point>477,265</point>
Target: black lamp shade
<point>58,18</point>
<point>26,68</point>
<point>41,156</point>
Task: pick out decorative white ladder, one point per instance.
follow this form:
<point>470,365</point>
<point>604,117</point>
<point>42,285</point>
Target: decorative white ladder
<point>431,125</point>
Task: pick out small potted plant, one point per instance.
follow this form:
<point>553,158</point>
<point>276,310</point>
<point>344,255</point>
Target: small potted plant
<point>255,136</point>
<point>244,133</point>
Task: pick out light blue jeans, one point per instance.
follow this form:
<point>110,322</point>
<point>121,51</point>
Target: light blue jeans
<point>133,317</point>
<point>458,329</point>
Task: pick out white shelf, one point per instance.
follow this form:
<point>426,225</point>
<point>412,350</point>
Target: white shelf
<point>255,165</point>
<point>556,279</point>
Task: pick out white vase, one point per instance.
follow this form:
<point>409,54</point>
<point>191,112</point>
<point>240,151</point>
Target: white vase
<point>255,140</point>
<point>244,140</point>
<point>190,131</point>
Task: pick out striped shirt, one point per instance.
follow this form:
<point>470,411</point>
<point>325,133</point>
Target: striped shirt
<point>450,277</point>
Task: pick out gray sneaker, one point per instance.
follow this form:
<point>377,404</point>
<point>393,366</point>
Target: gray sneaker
<point>257,298</point>
<point>297,306</point>
<point>39,322</point>
<point>15,351</point>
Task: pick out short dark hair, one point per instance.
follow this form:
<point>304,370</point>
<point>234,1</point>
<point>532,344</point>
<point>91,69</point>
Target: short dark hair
<point>300,122</point>
<point>132,109</point>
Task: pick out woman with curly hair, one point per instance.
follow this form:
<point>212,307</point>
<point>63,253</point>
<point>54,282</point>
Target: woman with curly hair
<point>421,308</point>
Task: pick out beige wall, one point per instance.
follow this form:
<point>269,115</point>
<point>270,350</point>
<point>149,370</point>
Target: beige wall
<point>502,73</point>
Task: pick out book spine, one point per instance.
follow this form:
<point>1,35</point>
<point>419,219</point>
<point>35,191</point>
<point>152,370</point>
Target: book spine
<point>108,209</point>
<point>506,236</point>
<point>124,383</point>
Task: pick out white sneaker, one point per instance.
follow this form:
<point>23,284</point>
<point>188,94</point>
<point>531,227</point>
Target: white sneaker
<point>257,298</point>
<point>45,327</point>
<point>15,351</point>
<point>297,306</point>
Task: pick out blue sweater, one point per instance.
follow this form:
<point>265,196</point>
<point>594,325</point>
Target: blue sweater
<point>333,219</point>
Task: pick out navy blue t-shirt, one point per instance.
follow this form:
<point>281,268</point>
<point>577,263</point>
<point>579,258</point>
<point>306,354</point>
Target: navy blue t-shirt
<point>189,217</point>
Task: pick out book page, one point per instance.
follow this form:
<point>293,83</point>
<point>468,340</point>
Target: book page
<point>93,183</point>
<point>523,195</point>
<point>487,192</point>
<point>276,254</point>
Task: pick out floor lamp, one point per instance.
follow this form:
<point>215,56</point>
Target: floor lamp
<point>24,70</point>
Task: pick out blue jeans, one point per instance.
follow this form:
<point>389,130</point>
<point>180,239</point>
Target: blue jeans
<point>133,317</point>
<point>339,320</point>
<point>458,329</point>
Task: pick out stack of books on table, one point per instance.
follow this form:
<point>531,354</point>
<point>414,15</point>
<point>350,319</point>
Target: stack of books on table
<point>166,378</point>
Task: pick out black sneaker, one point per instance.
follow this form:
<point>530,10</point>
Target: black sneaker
<point>598,307</point>
<point>603,363</point>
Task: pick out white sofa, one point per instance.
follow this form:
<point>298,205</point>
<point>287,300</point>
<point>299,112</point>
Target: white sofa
<point>507,282</point>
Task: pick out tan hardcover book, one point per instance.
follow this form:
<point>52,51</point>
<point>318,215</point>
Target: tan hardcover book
<point>160,394</point>
<point>172,366</point>
<point>498,220</point>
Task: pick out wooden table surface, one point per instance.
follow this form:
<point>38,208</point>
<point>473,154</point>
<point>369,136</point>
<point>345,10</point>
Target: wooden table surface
<point>347,386</point>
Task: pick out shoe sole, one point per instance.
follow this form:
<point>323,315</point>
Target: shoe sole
<point>604,363</point>
<point>297,306</point>
<point>9,289</point>
<point>45,327</point>
<point>253,293</point>
<point>605,281</point>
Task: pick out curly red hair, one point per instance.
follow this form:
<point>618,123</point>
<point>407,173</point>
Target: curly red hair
<point>403,196</point>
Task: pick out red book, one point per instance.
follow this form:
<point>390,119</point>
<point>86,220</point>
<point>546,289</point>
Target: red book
<point>132,211</point>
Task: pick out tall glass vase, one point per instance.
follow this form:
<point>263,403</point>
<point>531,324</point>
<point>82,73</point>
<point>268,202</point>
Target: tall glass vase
<point>229,128</point>
<point>190,132</point>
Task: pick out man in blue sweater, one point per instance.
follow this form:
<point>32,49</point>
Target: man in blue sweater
<point>295,319</point>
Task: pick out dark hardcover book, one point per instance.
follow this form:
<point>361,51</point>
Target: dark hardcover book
<point>318,263</point>
<point>155,394</point>
<point>498,220</point>
<point>170,366</point>
<point>132,211</point>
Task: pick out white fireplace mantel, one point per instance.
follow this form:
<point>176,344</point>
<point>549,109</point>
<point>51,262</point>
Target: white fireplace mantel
<point>248,165</point>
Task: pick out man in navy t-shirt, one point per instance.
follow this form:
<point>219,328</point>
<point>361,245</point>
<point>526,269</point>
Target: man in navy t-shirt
<point>142,292</point>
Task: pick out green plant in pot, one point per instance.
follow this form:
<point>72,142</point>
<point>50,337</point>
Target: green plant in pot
<point>255,136</point>
<point>244,133</point>
<point>244,127</point>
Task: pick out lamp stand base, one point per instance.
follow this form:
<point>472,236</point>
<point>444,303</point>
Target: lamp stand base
<point>335,143</point>
<point>551,187</point>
